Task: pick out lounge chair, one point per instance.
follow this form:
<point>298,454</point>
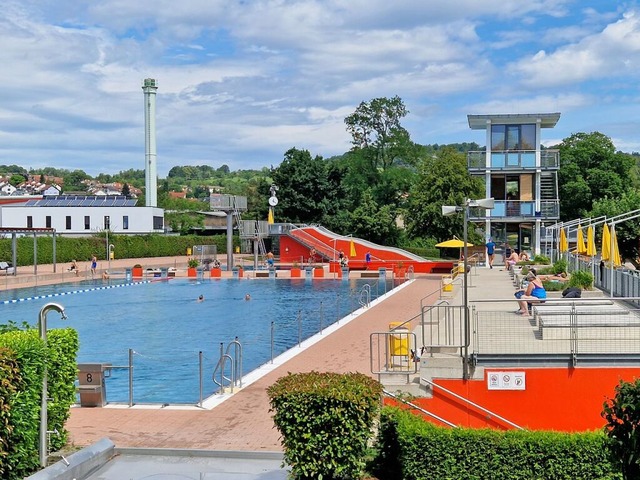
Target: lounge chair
<point>6,268</point>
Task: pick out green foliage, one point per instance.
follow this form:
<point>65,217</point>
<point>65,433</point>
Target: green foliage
<point>411,448</point>
<point>306,193</point>
<point>622,414</point>
<point>125,246</point>
<point>627,233</point>
<point>560,266</point>
<point>590,169</point>
<point>325,420</point>
<point>375,126</point>
<point>20,397</point>
<point>581,279</point>
<point>30,356</point>
<point>63,345</point>
<point>541,260</point>
<point>442,180</point>
<point>193,262</point>
<point>9,380</point>
<point>553,286</point>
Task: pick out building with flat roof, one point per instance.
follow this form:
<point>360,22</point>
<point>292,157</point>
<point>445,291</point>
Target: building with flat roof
<point>519,174</point>
<point>81,215</point>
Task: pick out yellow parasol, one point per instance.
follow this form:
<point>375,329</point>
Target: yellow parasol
<point>270,220</point>
<point>606,243</point>
<point>352,249</point>
<point>617,262</point>
<point>453,243</point>
<point>564,246</point>
<point>591,243</point>
<point>580,245</point>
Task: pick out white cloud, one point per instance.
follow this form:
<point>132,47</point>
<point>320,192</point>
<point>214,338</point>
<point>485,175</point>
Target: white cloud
<point>612,52</point>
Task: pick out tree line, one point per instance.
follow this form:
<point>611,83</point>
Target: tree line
<point>388,189</point>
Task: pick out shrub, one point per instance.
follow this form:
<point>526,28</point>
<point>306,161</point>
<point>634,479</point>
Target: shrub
<point>325,420</point>
<point>541,260</point>
<point>623,427</point>
<point>9,379</point>
<point>411,448</point>
<point>581,279</point>
<point>560,266</point>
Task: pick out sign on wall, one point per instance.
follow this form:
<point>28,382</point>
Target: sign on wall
<point>506,381</point>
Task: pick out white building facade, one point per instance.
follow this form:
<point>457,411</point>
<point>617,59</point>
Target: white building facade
<point>83,215</point>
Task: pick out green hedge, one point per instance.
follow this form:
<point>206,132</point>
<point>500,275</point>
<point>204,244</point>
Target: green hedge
<point>9,380</point>
<point>22,403</point>
<point>125,246</point>
<point>326,420</point>
<point>410,448</point>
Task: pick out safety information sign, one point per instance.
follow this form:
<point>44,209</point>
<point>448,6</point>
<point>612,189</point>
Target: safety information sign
<point>506,381</point>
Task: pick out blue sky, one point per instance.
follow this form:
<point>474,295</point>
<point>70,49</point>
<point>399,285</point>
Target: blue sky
<point>241,82</point>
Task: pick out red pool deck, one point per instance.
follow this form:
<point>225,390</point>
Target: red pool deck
<point>243,422</point>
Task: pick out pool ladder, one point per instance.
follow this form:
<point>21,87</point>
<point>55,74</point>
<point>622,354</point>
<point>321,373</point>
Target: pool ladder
<point>235,367</point>
<point>364,296</point>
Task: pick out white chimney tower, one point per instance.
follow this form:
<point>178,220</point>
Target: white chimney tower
<point>150,155</point>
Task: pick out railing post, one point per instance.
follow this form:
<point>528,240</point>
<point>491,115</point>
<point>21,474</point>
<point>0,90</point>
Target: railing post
<point>272,334</point>
<point>200,375</point>
<point>131,377</point>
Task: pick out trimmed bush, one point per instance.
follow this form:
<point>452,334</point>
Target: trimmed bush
<point>326,420</point>
<point>30,357</point>
<point>125,246</point>
<point>411,448</point>
<point>21,434</point>
<point>9,379</point>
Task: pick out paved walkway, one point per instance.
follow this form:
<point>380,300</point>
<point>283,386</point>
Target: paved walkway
<point>243,422</point>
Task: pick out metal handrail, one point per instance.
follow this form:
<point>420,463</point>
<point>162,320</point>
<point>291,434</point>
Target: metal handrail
<point>236,366</point>
<point>365,292</point>
<point>420,409</point>
<point>473,404</point>
<point>429,295</point>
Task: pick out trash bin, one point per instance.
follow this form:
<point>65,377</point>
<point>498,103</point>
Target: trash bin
<point>398,340</point>
<point>91,384</point>
<point>188,250</point>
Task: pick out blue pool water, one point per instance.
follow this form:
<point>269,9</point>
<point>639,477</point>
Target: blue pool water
<point>166,327</point>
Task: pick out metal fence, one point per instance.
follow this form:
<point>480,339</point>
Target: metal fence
<point>583,331</point>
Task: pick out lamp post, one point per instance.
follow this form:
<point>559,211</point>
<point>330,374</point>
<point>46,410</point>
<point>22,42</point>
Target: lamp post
<point>42,327</point>
<point>451,210</point>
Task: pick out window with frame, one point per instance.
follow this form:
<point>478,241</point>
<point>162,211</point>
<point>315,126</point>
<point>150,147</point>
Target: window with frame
<point>87,222</point>
<point>47,221</point>
<point>107,222</point>
<point>68,222</point>
<point>29,221</point>
<point>125,222</point>
<point>513,137</point>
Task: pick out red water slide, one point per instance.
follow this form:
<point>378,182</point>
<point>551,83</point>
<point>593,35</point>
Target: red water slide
<point>303,242</point>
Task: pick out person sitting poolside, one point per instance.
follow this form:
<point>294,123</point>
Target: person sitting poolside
<point>534,293</point>
<point>512,260</point>
<point>524,256</point>
<point>74,268</point>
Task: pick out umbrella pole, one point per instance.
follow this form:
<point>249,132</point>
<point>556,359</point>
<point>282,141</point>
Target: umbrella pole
<point>611,259</point>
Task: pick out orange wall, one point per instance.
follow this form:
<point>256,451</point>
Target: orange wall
<point>555,399</point>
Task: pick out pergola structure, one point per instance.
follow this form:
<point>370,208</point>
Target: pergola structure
<point>14,232</point>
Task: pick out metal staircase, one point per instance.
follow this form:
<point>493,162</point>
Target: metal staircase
<point>548,186</point>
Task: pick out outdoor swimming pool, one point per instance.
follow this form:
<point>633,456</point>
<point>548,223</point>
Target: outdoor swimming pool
<point>166,326</point>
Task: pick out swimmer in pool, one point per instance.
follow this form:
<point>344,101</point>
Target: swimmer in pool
<point>247,297</point>
<point>200,299</point>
